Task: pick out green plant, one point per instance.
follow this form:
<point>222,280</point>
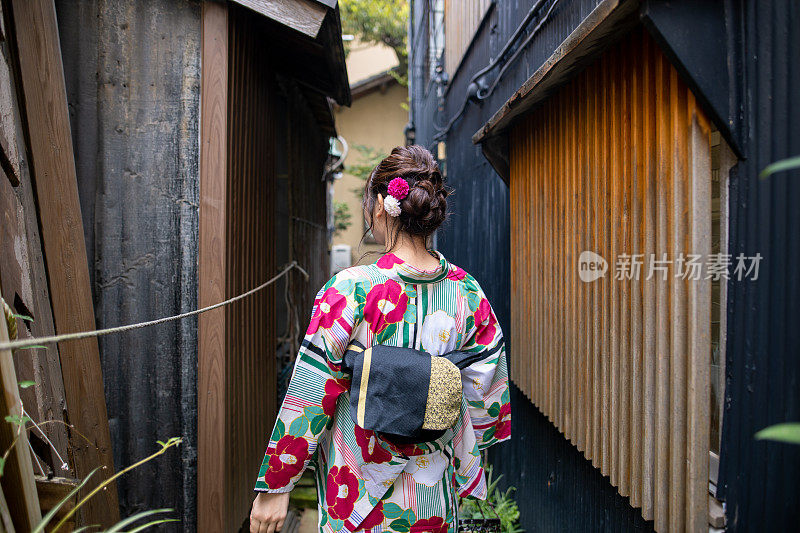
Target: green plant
<point>790,163</point>
<point>174,441</point>
<point>786,432</point>
<point>341,217</point>
<point>380,22</point>
<point>498,505</point>
<point>369,158</point>
<point>21,421</point>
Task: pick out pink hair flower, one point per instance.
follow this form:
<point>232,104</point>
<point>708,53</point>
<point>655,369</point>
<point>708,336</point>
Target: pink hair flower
<point>398,188</point>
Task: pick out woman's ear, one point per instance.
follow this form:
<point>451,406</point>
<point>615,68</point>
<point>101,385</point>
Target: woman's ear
<point>380,212</point>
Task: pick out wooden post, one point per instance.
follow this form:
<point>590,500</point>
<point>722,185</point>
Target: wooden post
<point>211,373</point>
<point>17,480</point>
<point>43,96</point>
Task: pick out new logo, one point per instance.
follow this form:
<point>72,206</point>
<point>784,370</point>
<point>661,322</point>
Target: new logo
<point>591,266</point>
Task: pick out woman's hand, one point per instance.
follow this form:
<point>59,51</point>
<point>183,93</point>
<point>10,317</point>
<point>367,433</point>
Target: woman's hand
<point>269,512</point>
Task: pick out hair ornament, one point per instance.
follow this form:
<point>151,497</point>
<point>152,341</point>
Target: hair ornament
<point>398,188</point>
<point>392,206</point>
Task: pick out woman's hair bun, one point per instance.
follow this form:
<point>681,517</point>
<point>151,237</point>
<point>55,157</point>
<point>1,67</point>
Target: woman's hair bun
<point>424,209</point>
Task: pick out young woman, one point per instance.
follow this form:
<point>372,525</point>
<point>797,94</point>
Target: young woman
<point>411,297</point>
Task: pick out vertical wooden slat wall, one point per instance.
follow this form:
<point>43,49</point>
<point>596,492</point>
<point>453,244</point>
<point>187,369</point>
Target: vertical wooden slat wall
<point>251,376</point>
<point>307,150</point>
<point>461,20</point>
<point>618,162</point>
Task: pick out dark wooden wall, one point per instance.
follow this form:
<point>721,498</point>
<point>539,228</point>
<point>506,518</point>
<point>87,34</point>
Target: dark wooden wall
<point>759,478</point>
<point>250,377</point>
<point>132,73</point>
<point>307,218</point>
<point>557,490</point>
<point>753,46</point>
<point>262,202</point>
<point>133,87</point>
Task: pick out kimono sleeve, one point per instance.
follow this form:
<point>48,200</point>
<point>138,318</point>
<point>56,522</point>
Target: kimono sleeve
<point>314,388</point>
<point>485,382</point>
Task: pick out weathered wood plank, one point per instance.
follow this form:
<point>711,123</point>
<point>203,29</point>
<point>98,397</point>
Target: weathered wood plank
<point>42,77</point>
<point>24,280</point>
<point>305,16</point>
<point>9,154</point>
<point>52,492</point>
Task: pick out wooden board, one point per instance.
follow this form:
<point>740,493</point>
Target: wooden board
<point>305,16</point>
<point>24,280</point>
<point>51,153</point>
<point>54,491</point>
<point>211,377</point>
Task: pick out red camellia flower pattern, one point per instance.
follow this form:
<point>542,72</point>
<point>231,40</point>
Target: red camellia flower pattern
<point>486,323</point>
<point>341,492</point>
<point>286,461</point>
<point>388,261</point>
<point>374,518</point>
<point>457,273</point>
<point>371,449</point>
<point>409,450</point>
<point>503,426</point>
<point>434,524</point>
<point>386,304</point>
<point>333,388</point>
<point>328,310</point>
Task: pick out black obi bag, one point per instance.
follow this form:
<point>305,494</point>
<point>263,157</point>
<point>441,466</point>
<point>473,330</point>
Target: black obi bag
<point>407,395</point>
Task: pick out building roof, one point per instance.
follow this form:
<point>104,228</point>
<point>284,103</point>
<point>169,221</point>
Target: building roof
<point>374,83</point>
<point>305,37</point>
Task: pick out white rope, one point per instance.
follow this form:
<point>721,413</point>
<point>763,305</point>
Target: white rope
<point>25,343</point>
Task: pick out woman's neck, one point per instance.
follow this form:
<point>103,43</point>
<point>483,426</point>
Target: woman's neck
<point>412,250</point>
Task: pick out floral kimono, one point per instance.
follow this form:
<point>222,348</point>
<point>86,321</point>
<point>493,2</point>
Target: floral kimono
<point>364,482</point>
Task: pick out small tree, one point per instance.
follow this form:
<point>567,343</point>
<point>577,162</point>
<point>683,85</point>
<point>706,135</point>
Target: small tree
<point>379,22</point>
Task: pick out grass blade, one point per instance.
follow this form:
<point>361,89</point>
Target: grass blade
<point>116,528</point>
<point>787,432</point>
<point>778,166</point>
<point>151,524</point>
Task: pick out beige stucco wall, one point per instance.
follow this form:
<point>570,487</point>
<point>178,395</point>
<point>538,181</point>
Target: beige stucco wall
<point>376,120</point>
<point>365,60</point>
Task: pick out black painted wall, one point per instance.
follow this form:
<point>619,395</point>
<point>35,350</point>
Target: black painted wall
<point>557,489</point>
<point>754,96</point>
<point>760,479</point>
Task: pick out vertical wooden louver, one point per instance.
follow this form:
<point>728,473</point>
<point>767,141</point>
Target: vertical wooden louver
<point>618,162</point>
<point>251,340</point>
<point>461,20</point>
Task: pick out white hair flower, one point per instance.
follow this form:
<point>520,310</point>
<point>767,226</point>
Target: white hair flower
<point>392,206</point>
